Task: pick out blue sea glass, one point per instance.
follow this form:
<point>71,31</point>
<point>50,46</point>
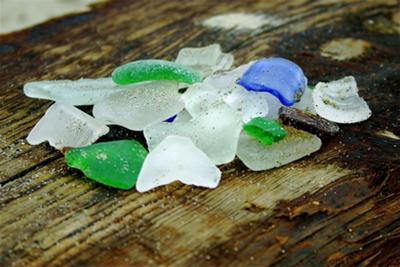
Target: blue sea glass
<point>278,76</point>
<point>171,119</point>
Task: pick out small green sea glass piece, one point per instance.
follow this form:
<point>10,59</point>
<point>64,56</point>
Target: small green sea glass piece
<point>116,164</point>
<point>264,130</point>
<point>154,69</point>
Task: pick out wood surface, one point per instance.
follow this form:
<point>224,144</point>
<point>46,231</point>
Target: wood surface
<point>338,207</point>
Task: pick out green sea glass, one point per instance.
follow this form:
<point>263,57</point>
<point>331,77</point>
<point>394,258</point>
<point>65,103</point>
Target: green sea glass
<point>264,130</point>
<point>116,164</point>
<point>154,69</point>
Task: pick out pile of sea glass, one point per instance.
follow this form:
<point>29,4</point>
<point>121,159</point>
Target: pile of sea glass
<point>196,113</point>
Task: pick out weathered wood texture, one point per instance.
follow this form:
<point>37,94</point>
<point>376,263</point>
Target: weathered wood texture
<point>339,207</point>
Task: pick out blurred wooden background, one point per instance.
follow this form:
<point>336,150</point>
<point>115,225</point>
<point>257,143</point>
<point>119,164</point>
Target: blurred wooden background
<point>19,14</point>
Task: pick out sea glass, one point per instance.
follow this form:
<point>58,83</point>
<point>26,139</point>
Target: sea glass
<point>66,126</point>
<point>200,97</point>
<point>214,131</point>
<point>206,60</point>
<point>247,103</point>
<point>176,158</point>
<point>339,101</point>
<point>306,101</point>
<point>116,164</point>
<point>226,80</point>
<point>264,130</point>
<point>277,76</point>
<point>152,70</point>
<point>148,103</point>
<point>172,118</point>
<point>258,157</point>
<point>77,93</point>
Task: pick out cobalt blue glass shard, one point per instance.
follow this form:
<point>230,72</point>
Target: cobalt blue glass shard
<point>278,76</point>
<point>171,119</point>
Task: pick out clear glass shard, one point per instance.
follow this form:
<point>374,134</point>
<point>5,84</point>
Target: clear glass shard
<point>258,157</point>
<point>76,93</point>
<point>215,131</point>
<point>176,158</point>
<point>135,109</point>
<point>66,126</point>
<point>206,60</point>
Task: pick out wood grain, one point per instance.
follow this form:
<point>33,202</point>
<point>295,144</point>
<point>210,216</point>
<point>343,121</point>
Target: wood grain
<point>338,207</point>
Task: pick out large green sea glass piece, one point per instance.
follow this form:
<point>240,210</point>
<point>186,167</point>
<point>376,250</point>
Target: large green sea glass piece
<point>116,164</point>
<point>154,69</point>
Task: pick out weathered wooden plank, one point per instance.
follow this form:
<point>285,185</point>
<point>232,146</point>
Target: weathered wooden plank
<point>340,206</point>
